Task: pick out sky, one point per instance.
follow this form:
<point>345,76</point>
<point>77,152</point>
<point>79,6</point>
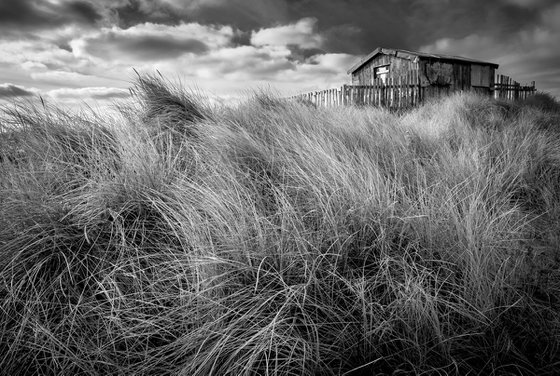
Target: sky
<point>76,52</point>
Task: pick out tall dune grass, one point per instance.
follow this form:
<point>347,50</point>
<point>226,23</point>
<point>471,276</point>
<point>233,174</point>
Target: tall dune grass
<point>275,238</point>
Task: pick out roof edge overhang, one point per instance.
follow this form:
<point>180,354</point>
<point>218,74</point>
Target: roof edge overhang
<point>414,56</point>
<point>364,60</point>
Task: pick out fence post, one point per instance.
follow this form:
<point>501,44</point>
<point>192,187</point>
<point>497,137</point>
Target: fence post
<point>501,88</point>
<point>502,91</point>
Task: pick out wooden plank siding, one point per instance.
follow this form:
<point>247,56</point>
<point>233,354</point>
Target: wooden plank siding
<point>398,67</point>
<point>436,77</point>
<point>439,78</point>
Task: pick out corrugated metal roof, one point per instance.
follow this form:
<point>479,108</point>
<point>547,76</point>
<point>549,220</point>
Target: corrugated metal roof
<point>412,55</point>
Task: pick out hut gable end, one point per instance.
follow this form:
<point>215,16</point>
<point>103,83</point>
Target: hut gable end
<point>382,67</point>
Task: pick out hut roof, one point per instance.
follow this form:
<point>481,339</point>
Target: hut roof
<point>413,55</point>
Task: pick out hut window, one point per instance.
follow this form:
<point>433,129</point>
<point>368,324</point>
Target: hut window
<point>381,72</point>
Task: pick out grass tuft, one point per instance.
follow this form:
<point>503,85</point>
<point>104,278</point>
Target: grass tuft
<point>275,238</point>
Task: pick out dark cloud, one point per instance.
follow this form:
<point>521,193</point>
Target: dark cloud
<point>241,38</point>
<point>359,26</point>
<point>302,54</point>
<point>337,38</point>
<point>133,12</point>
<point>431,20</point>
<point>151,46</point>
<point>14,91</point>
<point>143,47</point>
<point>151,42</point>
<point>83,10</point>
<point>350,26</point>
<point>245,14</point>
<point>32,14</point>
<point>19,12</point>
<point>353,26</point>
<point>157,47</point>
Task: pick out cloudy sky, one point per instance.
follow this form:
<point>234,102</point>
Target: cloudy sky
<point>84,51</point>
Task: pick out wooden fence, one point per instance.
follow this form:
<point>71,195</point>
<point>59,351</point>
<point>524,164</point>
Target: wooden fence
<point>403,93</point>
<point>392,93</point>
<point>506,88</point>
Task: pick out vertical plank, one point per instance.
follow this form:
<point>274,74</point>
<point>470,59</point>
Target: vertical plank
<point>377,89</point>
<point>398,92</point>
<point>382,99</point>
<point>402,89</point>
<point>413,88</point>
<point>495,82</point>
<point>394,92</point>
<point>499,96</point>
<point>338,96</point>
<point>390,81</point>
<point>375,99</point>
<point>374,94</point>
<point>385,86</point>
<point>409,89</point>
<point>500,91</point>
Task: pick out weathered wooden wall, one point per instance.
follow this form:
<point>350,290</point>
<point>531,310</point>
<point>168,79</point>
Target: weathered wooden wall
<point>436,77</point>
<point>439,78</point>
<point>399,68</point>
<point>482,78</point>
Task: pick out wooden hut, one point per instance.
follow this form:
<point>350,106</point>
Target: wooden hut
<point>434,74</point>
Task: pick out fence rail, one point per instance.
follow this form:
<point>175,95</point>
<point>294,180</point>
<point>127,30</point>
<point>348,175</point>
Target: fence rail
<point>403,93</point>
